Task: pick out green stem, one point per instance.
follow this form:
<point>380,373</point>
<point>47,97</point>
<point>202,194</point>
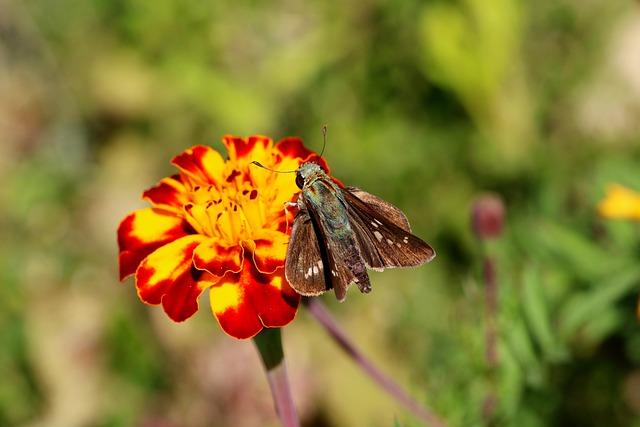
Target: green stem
<point>269,344</point>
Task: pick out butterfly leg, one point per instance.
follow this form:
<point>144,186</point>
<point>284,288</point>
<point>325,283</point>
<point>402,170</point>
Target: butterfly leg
<point>286,213</point>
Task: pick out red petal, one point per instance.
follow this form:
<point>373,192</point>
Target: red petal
<point>142,232</point>
<point>204,164</point>
<point>291,153</point>
<point>293,147</point>
<point>218,259</point>
<point>170,193</point>
<point>269,250</point>
<point>249,149</point>
<point>168,276</point>
<point>246,302</point>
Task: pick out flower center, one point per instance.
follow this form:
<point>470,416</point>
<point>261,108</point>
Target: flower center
<point>231,211</point>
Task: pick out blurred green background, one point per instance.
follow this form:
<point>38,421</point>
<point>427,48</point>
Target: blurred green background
<point>429,104</point>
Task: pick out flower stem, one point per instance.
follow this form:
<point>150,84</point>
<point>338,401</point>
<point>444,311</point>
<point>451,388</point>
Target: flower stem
<point>320,313</point>
<point>491,303</point>
<point>487,220</point>
<point>269,344</point>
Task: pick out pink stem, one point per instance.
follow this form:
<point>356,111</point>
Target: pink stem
<point>269,344</point>
<point>281,391</point>
<point>318,311</point>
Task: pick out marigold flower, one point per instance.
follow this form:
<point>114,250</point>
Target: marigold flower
<point>620,203</point>
<point>219,225</point>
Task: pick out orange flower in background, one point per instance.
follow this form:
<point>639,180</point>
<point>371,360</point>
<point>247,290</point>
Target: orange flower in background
<point>219,225</point>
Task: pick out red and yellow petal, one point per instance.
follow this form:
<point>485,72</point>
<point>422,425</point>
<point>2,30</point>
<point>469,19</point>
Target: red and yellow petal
<point>202,164</point>
<point>246,302</point>
<point>169,194</point>
<point>168,277</point>
<point>246,150</point>
<point>268,250</point>
<point>291,153</point>
<point>218,259</point>
<point>144,231</point>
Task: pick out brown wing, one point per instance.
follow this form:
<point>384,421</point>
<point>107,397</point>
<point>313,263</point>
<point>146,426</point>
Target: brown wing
<point>318,260</point>
<point>304,266</point>
<point>382,232</point>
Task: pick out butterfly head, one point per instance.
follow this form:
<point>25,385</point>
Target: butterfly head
<point>307,173</point>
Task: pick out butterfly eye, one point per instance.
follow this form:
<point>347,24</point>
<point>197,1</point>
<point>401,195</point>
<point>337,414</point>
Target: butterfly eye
<point>299,180</point>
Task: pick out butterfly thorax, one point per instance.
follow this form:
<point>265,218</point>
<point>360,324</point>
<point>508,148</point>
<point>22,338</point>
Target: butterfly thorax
<point>319,191</point>
<point>308,173</point>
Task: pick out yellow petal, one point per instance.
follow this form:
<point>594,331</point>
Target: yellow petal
<point>620,203</point>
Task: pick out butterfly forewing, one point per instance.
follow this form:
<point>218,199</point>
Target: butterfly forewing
<point>383,243</point>
<point>384,208</point>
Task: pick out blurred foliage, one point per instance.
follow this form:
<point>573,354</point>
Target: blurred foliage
<point>429,104</point>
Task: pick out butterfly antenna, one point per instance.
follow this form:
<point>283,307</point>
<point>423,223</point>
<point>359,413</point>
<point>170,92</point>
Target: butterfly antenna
<point>269,169</point>
<point>324,139</point>
<point>324,144</point>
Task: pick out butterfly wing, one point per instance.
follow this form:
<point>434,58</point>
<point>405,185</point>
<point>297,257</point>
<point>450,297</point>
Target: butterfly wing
<point>385,209</point>
<point>304,266</point>
<point>382,232</point>
<point>318,259</point>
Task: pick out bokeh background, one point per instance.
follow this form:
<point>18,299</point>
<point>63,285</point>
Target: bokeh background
<point>429,103</point>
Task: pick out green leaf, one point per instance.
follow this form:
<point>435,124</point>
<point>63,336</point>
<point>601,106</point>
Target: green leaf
<point>584,306</point>
<point>577,253</point>
<point>537,314</point>
<point>519,343</point>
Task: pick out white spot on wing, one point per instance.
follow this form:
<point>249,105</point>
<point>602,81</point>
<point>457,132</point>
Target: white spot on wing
<point>378,235</point>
